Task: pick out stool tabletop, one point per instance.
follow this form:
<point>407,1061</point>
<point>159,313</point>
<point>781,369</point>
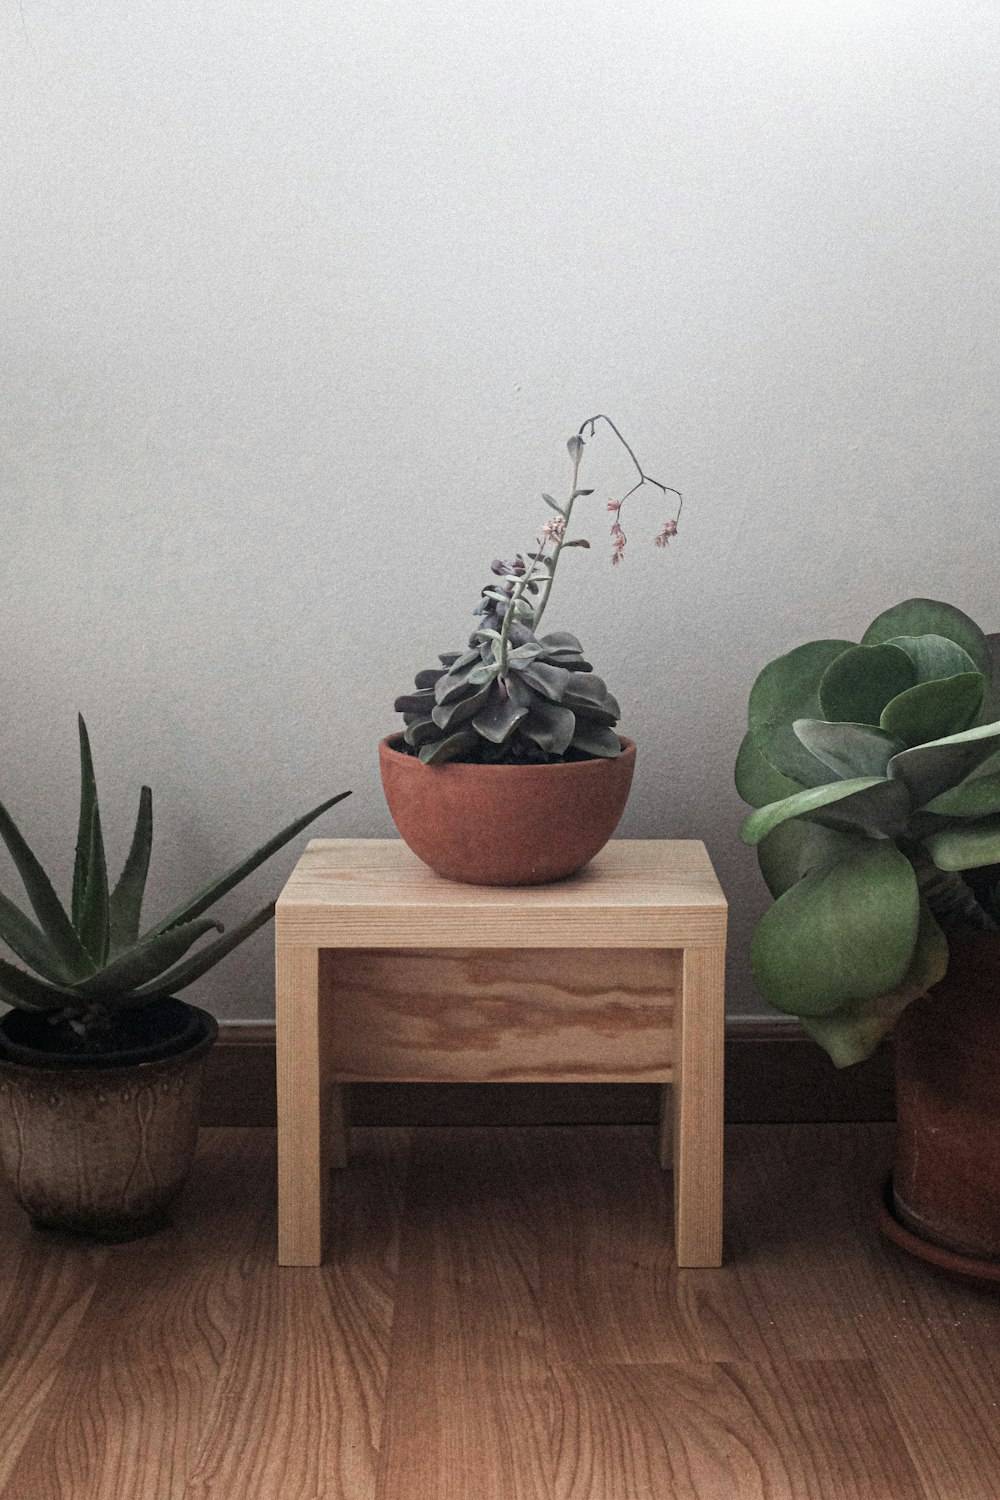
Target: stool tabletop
<point>374,893</point>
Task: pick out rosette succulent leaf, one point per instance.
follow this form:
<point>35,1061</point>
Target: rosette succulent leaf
<point>84,965</point>
<point>548,704</point>
<point>874,772</point>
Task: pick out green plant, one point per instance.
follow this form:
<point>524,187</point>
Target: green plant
<point>875,772</point>
<point>513,696</point>
<point>91,963</point>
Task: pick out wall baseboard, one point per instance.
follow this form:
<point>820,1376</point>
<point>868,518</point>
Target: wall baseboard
<point>774,1073</point>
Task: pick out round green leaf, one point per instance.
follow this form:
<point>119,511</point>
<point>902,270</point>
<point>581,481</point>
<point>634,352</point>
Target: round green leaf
<point>966,845</point>
<point>848,749</point>
<point>932,768</point>
<point>858,683</point>
<point>932,710</point>
<point>788,689</point>
<point>793,849</point>
<point>975,797</point>
<point>756,779</point>
<point>934,656</point>
<point>846,932</point>
<point>870,803</point>
<point>930,617</point>
<point>852,1032</point>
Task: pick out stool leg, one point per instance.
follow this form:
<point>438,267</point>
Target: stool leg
<point>698,1109</point>
<point>666,1126</point>
<point>311,1135</point>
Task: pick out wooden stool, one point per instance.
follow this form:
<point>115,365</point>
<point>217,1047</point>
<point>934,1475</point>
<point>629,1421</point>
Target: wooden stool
<point>386,972</point>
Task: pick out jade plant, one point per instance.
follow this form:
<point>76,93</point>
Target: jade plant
<point>874,769</point>
<point>93,962</point>
<point>514,696</point>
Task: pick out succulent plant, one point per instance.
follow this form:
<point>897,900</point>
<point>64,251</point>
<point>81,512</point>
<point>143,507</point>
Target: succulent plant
<point>514,696</point>
<point>92,962</point>
<point>874,769</point>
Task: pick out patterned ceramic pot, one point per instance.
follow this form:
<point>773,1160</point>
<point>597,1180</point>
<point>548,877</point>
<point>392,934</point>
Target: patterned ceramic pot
<point>102,1150</point>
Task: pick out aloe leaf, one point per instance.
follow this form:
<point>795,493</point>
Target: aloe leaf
<point>788,689</point>
<point>848,749</point>
<point>84,836</point>
<point>975,797</point>
<point>966,845</point>
<point>930,617</point>
<point>30,943</point>
<point>931,768</point>
<point>858,683</point>
<point>445,750</point>
<point>125,905</point>
<point>934,656</point>
<point>45,903</point>
<point>93,921</point>
<point>853,1031</point>
<point>29,993</point>
<point>846,932</point>
<point>932,710</point>
<point>145,961</point>
<point>216,889</point>
<point>206,958</point>
<point>757,781</point>
<point>872,804</point>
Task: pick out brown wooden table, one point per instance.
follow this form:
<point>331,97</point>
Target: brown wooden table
<point>386,972</point>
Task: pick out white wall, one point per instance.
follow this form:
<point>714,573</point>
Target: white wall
<point>301,301</point>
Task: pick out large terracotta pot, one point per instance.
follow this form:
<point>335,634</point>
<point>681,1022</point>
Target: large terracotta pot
<point>946,1177</point>
<point>505,825</point>
<point>102,1150</point>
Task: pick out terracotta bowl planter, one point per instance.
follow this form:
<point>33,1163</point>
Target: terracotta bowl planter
<point>505,825</point>
<point>946,1176</point>
<point>102,1150</point>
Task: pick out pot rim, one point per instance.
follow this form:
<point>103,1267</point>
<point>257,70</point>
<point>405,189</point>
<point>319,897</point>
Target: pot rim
<point>94,1071</point>
<point>388,746</point>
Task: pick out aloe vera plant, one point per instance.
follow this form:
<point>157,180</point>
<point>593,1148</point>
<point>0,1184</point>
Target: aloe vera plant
<point>94,961</point>
<point>513,696</point>
<point>874,769</point>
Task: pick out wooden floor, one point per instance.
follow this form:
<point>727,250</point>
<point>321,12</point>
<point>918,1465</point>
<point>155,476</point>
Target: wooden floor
<point>501,1320</point>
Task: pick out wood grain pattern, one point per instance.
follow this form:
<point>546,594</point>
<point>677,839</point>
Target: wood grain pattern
<point>698,1108</point>
<point>373,893</point>
<point>500,1016</point>
<point>311,1130</point>
<point>124,1413</point>
<point>718,1432</point>
<point>299,1404</point>
<point>501,1318</point>
<point>467,1409</point>
<point>508,1001</point>
<point>774,1074</point>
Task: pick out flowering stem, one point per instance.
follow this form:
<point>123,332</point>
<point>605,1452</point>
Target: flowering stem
<point>527,578</point>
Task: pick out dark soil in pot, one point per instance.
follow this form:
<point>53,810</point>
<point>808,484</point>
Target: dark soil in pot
<point>502,824</point>
<point>946,1176</point>
<point>140,1035</point>
<point>101,1144</point>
